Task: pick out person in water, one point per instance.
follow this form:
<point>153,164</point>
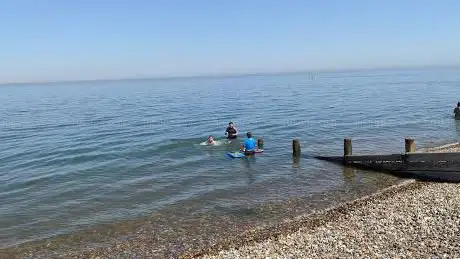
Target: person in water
<point>211,141</point>
<point>457,111</point>
<point>231,132</point>
<point>249,145</point>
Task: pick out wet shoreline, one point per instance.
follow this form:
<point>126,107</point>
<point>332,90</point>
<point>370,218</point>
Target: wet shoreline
<point>310,221</point>
<point>174,234</point>
<point>415,219</point>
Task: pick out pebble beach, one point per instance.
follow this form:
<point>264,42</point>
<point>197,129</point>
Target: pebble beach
<point>419,220</point>
<point>410,220</point>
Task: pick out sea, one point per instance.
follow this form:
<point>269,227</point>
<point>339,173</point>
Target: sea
<point>83,157</point>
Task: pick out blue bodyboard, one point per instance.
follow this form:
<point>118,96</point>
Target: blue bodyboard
<point>235,154</point>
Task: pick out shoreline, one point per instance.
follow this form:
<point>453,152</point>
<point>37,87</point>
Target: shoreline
<point>143,242</point>
<point>418,220</point>
<point>310,221</point>
<point>164,236</point>
<point>451,147</point>
<point>328,234</point>
<point>161,235</point>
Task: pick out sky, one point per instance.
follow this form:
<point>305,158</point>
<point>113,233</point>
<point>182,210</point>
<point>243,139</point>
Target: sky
<point>53,40</point>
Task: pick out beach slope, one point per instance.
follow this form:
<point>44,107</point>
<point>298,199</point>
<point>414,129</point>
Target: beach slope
<point>421,221</point>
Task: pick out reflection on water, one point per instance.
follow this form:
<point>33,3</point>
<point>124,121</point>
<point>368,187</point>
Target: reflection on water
<point>248,161</point>
<point>295,161</point>
<point>349,173</point>
<point>457,126</point>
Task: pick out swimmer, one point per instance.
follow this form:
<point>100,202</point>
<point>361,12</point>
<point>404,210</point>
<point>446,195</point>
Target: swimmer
<point>457,111</point>
<point>211,141</point>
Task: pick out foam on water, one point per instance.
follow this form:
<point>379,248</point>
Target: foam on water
<point>219,142</point>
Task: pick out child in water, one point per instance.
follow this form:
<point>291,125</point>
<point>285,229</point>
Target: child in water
<point>211,141</point>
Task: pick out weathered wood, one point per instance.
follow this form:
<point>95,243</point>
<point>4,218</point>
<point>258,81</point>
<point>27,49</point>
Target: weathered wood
<point>347,147</point>
<point>296,147</point>
<point>260,143</point>
<point>433,157</point>
<point>333,159</point>
<point>409,145</point>
<point>375,158</point>
<point>422,159</point>
<point>362,158</point>
<point>422,166</point>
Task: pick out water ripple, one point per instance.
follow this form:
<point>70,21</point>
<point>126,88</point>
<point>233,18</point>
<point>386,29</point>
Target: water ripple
<point>78,154</point>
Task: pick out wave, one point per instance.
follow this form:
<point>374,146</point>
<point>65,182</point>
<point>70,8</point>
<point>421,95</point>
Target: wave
<point>220,142</point>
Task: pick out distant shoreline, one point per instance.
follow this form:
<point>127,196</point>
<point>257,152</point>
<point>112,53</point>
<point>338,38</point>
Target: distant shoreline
<point>230,75</point>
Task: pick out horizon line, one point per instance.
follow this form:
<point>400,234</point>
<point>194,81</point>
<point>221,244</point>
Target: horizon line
<point>316,71</point>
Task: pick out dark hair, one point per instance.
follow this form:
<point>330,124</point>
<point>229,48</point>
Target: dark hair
<point>249,134</point>
<point>458,104</point>
<point>230,123</point>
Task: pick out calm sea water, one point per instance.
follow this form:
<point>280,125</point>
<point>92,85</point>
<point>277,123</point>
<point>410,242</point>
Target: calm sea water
<point>76,155</point>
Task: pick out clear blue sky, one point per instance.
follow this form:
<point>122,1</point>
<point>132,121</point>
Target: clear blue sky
<point>86,39</point>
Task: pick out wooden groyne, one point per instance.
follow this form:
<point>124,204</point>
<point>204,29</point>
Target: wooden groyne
<point>441,166</point>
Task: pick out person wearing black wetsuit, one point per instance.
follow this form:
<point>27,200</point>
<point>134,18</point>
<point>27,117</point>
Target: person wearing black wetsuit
<point>231,132</point>
<point>457,111</point>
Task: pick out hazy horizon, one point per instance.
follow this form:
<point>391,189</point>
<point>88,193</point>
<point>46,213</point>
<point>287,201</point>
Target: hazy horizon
<point>85,40</point>
<point>312,72</point>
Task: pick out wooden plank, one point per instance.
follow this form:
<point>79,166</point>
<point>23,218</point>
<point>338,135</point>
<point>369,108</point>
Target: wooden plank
<point>429,164</point>
<point>330,158</point>
<point>409,157</point>
<point>433,157</point>
<point>374,158</point>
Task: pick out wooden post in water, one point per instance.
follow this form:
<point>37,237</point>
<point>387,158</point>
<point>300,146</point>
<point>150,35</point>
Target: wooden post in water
<point>260,143</point>
<point>296,147</point>
<point>347,148</point>
<point>410,145</point>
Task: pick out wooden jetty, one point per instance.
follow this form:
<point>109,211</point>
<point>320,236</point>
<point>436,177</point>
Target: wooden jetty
<point>441,166</point>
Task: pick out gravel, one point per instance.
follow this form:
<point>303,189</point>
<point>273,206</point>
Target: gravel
<point>414,223</point>
<point>453,147</point>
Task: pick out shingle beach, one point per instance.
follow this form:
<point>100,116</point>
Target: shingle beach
<point>421,221</point>
<point>411,220</point>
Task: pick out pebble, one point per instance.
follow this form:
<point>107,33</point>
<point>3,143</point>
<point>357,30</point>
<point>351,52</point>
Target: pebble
<point>417,223</point>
